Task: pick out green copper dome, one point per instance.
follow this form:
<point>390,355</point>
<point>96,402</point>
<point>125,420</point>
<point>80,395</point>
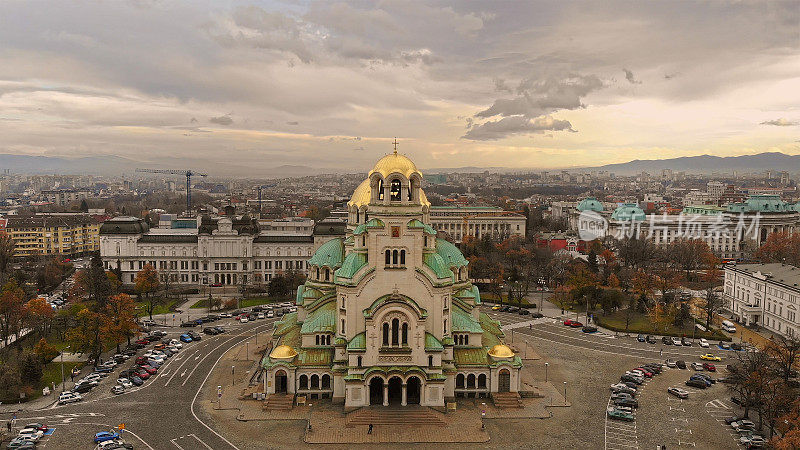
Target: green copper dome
<point>628,212</point>
<point>590,204</point>
<point>329,254</point>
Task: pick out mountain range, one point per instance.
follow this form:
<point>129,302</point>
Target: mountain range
<point>116,165</point>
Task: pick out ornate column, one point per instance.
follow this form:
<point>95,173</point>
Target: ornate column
<point>404,401</point>
<point>386,394</point>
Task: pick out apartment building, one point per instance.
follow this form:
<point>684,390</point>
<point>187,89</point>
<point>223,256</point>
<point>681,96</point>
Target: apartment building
<point>68,235</point>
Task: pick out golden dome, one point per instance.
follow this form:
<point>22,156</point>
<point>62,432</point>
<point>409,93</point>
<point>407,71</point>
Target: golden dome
<point>362,194</point>
<point>501,351</point>
<point>283,352</point>
<point>395,163</point>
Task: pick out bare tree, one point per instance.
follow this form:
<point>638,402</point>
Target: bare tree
<point>786,351</point>
<point>713,303</point>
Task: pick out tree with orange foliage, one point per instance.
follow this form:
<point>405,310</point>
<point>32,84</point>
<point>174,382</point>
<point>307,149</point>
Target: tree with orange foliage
<point>12,310</point>
<point>780,247</point>
<point>38,316</point>
<point>789,427</point>
<point>119,320</point>
<point>147,284</point>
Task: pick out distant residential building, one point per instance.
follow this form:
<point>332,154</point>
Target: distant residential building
<point>287,225</point>
<point>54,234</point>
<point>767,295</point>
<point>477,221</point>
<point>64,197</point>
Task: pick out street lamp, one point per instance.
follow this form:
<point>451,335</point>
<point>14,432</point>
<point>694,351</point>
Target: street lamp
<point>63,380</point>
<point>546,365</point>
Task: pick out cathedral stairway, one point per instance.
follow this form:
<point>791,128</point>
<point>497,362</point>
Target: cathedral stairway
<point>390,415</point>
<point>278,402</point>
<point>506,400</point>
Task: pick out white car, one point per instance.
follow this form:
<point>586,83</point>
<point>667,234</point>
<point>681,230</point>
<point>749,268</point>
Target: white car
<point>697,366</point>
<point>175,343</point>
<point>174,348</point>
<point>243,320</point>
<point>270,314</point>
<point>261,315</point>
<point>69,397</point>
<point>676,341</point>
<point>704,343</point>
<point>124,382</point>
<point>31,434</point>
<point>678,392</point>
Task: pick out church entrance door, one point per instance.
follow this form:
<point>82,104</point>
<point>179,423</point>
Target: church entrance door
<point>414,389</point>
<point>280,382</point>
<point>395,391</point>
<point>376,391</point>
<point>504,381</point>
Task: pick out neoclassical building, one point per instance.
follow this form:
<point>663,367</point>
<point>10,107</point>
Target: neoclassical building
<point>388,314</point>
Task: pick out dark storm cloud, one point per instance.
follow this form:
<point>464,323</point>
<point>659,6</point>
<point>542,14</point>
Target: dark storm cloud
<point>629,76</point>
<point>513,125</point>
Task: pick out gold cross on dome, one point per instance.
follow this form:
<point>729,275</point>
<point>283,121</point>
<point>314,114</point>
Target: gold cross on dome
<point>395,145</point>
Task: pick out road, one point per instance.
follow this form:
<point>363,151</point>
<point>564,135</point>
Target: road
<point>162,413</point>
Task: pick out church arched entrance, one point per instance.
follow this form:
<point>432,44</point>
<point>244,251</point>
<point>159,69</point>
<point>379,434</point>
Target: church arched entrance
<point>395,391</point>
<point>281,382</point>
<point>504,381</point>
<point>376,391</point>
<point>414,387</point>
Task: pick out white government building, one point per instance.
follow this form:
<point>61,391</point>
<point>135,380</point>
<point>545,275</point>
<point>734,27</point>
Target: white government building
<point>764,294</point>
<point>388,315</point>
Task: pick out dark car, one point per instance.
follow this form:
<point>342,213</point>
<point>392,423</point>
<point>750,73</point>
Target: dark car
<point>686,342</point>
<point>694,382</point>
<point>195,336</point>
<point>503,309</point>
<point>730,420</point>
<point>629,378</point>
<point>705,381</point>
<point>737,347</point>
<point>524,312</point>
<point>141,360</point>
<point>136,380</point>
<point>666,341</point>
<point>220,330</point>
<point>630,384</point>
<point>209,331</point>
<point>537,315</point>
<point>629,402</point>
<point>640,338</point>
<point>82,388</point>
<point>650,339</point>
<point>681,364</point>
<point>143,374</point>
<point>188,324</point>
<point>589,329</point>
<point>104,369</point>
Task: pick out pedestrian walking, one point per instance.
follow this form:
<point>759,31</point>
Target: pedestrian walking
<point>661,352</point>
<point>9,426</point>
<point>369,430</point>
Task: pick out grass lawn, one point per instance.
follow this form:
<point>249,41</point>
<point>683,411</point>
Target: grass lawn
<point>52,372</point>
<point>491,298</point>
<point>641,324</point>
<point>164,308</point>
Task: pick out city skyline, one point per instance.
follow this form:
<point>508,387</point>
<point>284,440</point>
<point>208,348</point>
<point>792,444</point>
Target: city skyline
<point>538,85</point>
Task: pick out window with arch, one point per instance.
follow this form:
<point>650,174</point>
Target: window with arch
<point>315,381</point>
<point>385,334</point>
<point>316,270</point>
<point>460,381</point>
<point>358,214</point>
<point>482,381</point>
<point>358,361</point>
<point>388,257</point>
<point>327,274</point>
<point>396,190</point>
<point>303,381</point>
<point>343,330</point>
<point>445,326</point>
<point>410,190</point>
<point>402,257</point>
<point>326,381</point>
<point>466,339</point>
<point>316,341</point>
<point>380,195</point>
<point>395,332</point>
<point>395,254</point>
<point>470,381</point>
<point>405,334</point>
<point>430,360</point>
<point>343,301</point>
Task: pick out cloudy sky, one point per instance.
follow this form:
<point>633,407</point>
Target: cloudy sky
<point>324,84</point>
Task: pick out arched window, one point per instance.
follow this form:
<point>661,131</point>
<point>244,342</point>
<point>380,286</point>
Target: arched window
<point>380,195</point>
<point>327,274</point>
<point>303,382</point>
<point>410,187</point>
<point>385,334</point>
<point>394,256</point>
<point>328,340</point>
<point>470,381</point>
<point>317,340</point>
<point>482,381</point>
<point>326,381</point>
<point>405,334</point>
<point>343,330</point>
<point>395,332</point>
<point>358,214</point>
<point>315,381</point>
<point>430,360</point>
<point>317,271</point>
<point>358,361</point>
<point>466,339</point>
<point>402,257</point>
<point>388,257</point>
<point>460,381</point>
<point>445,326</point>
<point>363,241</point>
<point>396,191</point>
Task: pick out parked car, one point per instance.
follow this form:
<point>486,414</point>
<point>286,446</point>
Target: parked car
<point>676,341</point>
<point>666,340</point>
<point>650,339</point>
<point>39,426</point>
<point>150,369</point>
<point>21,443</point>
<point>575,324</point>
<point>678,392</point>
<point>589,329</point>
<point>620,415</point>
<point>710,357</point>
<point>704,343</point>
<point>568,322</point>
<point>686,342</point>
<point>630,378</point>
<point>724,345</point>
<point>629,402</point>
<point>125,382</point>
<point>698,383</point>
<point>186,338</point>
<point>752,441</point>
<point>69,397</point>
<point>670,363</point>
<point>82,388</point>
<point>175,343</point>
<point>697,366</point>
<point>680,364</point>
<point>524,312</point>
<point>707,382</point>
<point>189,324</point>
<point>730,420</point>
<point>31,434</point>
<point>118,389</point>
<point>136,380</point>
<point>709,367</point>
<point>736,346</point>
<point>105,436</point>
<point>640,338</point>
<point>537,315</point>
<point>743,424</point>
<point>621,387</point>
<point>271,314</point>
<point>195,336</point>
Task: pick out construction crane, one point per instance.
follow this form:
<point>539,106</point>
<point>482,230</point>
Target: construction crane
<point>188,173</point>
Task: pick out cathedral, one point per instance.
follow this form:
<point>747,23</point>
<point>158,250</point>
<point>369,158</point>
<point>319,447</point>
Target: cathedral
<point>388,315</point>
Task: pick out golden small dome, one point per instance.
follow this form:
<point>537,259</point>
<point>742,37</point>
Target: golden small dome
<point>283,352</point>
<point>395,163</point>
<point>501,351</point>
<point>363,193</point>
